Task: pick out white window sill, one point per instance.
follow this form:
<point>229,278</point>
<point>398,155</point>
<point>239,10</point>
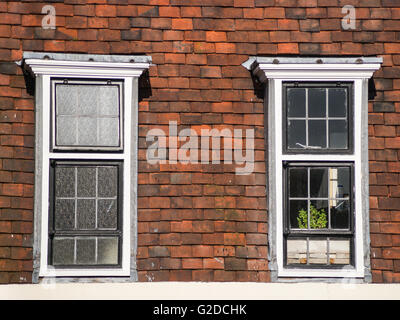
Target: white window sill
<point>53,272</point>
<point>322,273</point>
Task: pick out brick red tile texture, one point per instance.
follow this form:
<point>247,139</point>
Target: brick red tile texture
<point>199,222</point>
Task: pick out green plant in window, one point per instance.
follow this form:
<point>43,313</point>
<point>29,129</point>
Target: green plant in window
<point>318,218</point>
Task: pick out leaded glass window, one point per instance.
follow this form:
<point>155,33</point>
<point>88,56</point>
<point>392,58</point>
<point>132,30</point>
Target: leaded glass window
<point>87,115</point>
<point>85,228</point>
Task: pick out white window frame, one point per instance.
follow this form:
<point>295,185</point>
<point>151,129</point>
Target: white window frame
<point>274,71</point>
<point>44,66</point>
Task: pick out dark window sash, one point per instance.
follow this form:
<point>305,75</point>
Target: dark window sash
<point>82,233</point>
<point>303,234</point>
<point>349,117</point>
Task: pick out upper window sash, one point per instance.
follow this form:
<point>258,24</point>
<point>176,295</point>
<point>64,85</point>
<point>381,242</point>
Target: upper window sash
<point>317,117</point>
<point>87,115</point>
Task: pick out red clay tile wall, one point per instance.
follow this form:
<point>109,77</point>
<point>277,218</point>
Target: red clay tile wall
<point>199,222</point>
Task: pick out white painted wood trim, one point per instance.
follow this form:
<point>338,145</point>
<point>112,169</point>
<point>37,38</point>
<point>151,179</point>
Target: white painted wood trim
<point>358,270</point>
<point>86,68</point>
<point>313,71</point>
<point>45,174</point>
<point>124,270</point>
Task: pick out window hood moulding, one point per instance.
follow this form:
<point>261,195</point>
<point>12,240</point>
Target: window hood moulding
<point>82,64</point>
<point>296,68</point>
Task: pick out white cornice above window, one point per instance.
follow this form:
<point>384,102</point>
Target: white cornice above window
<point>312,68</point>
<point>59,64</point>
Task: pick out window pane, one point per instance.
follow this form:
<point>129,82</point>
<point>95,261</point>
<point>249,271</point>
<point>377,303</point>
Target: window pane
<point>87,115</point>
<point>87,99</point>
<point>296,102</point>
<point>87,131</point>
<point>85,250</point>
<point>108,181</point>
<point>296,251</point>
<point>339,182</point>
<point>318,252</point>
<point>339,251</point>
<point>298,183</point>
<point>86,181</point>
<point>340,214</point>
<point>63,251</point>
<point>86,197</point>
<point>64,214</point>
<point>107,214</point>
<point>108,101</point>
<point>298,214</point>
<point>319,214</point>
<point>66,99</point>
<point>66,130</point>
<point>317,133</point>
<point>296,134</point>
<point>316,102</point>
<point>319,182</point>
<point>343,176</point>
<point>107,250</point>
<point>65,182</point>
<point>86,214</point>
<point>108,125</point>
<point>338,134</point>
<point>337,102</point>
